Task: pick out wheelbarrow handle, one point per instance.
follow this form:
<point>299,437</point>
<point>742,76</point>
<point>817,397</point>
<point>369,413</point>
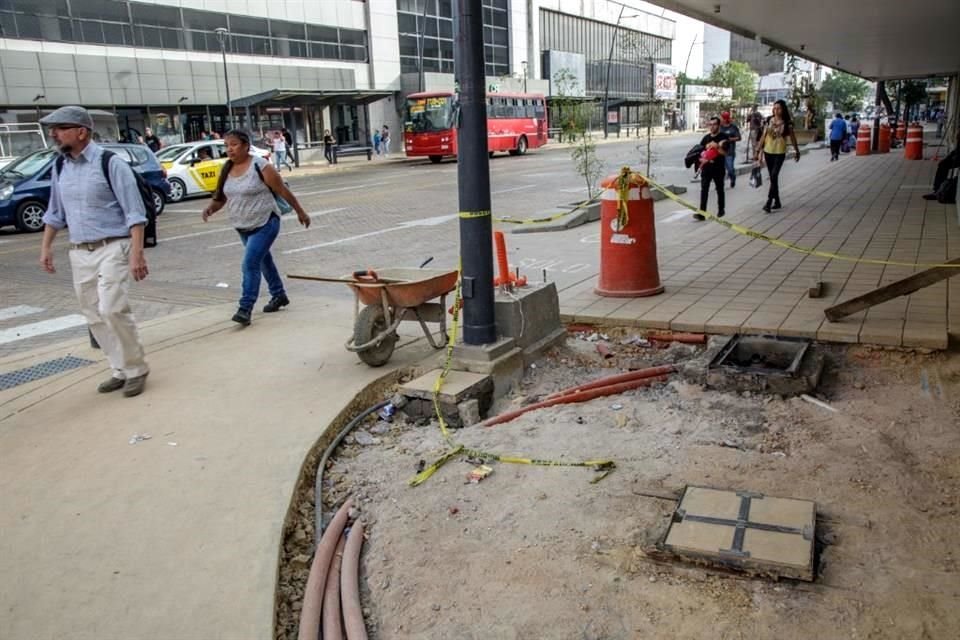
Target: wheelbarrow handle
<point>366,274</point>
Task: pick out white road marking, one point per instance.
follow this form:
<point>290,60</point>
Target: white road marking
<point>426,222</point>
<point>525,186</point>
<point>286,233</point>
<point>18,311</point>
<point>40,328</point>
<point>288,216</point>
<point>577,190</point>
<point>335,189</point>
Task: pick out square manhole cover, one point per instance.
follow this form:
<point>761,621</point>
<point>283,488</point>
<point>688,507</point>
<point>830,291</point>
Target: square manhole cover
<point>745,531</point>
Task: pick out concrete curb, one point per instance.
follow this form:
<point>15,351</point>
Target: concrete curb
<point>589,213</point>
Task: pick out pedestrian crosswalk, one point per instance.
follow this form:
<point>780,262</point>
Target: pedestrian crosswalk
<point>14,328</point>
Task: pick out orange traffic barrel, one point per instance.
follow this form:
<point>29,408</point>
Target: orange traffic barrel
<point>883,146</point>
<point>628,239</point>
<point>863,140</point>
<point>913,149</point>
<point>902,130</point>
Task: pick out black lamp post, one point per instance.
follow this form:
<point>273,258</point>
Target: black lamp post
<point>222,33</point>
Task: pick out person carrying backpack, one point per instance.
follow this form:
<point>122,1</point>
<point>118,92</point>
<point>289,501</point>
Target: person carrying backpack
<point>105,216</point>
<point>249,187</point>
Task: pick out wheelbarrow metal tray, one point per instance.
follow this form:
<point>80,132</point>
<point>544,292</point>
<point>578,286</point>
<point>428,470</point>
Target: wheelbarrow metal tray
<point>405,287</point>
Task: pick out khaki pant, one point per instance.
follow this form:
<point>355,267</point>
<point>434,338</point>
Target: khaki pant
<point>101,279</point>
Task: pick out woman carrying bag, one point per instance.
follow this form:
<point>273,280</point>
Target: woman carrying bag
<point>773,146</point>
<point>251,189</point>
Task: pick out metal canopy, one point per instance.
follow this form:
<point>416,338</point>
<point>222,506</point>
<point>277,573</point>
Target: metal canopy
<point>321,97</point>
<point>877,40</point>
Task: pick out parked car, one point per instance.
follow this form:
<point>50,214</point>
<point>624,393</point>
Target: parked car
<point>193,168</point>
<point>25,183</point>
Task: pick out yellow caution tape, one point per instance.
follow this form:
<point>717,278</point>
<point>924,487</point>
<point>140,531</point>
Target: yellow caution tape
<point>474,214</point>
<point>605,466</point>
<point>758,235</point>
<point>623,194</point>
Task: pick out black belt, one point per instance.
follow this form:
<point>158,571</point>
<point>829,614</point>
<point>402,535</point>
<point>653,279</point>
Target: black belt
<point>93,246</point>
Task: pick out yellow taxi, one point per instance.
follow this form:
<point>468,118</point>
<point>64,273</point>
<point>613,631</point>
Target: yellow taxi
<point>193,168</point>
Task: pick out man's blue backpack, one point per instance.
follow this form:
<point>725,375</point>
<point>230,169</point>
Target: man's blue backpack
<point>146,194</point>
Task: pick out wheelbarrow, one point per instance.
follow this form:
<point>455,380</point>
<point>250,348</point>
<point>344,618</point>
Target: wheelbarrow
<point>391,296</point>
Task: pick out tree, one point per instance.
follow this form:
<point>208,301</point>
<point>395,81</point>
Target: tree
<point>575,122</point>
<point>847,92</point>
<point>912,92</point>
<point>739,77</point>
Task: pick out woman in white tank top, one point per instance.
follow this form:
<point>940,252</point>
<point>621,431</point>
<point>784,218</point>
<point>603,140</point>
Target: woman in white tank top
<point>247,187</point>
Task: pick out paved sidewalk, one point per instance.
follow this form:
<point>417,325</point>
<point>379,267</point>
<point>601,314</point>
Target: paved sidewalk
<point>865,207</point>
<point>102,539</point>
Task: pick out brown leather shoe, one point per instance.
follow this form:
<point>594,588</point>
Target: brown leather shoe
<point>135,386</point>
<point>111,385</point>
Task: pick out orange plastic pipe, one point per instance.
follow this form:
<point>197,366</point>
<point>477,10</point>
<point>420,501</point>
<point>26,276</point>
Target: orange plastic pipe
<point>350,585</point>
<point>502,265</point>
<point>332,626</point>
<point>616,379</point>
<point>577,396</point>
<point>317,580</point>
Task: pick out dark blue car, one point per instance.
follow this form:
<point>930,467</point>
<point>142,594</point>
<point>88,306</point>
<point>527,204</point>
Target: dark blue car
<point>25,183</point>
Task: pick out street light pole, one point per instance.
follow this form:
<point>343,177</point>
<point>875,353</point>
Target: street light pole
<point>524,65</point>
<point>606,84</point>
<point>222,34</point>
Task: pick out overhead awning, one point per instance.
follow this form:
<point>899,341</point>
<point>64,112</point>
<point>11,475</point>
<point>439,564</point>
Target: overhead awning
<point>313,97</point>
<point>875,39</point>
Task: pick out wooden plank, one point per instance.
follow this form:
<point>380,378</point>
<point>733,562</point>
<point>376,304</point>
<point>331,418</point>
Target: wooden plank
<point>894,290</point>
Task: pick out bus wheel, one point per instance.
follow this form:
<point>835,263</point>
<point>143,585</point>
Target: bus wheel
<point>436,159</point>
<point>521,147</point>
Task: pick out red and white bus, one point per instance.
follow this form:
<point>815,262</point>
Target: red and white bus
<point>515,122</point>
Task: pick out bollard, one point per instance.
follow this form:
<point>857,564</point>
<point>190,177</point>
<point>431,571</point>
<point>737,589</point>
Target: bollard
<point>902,130</point>
<point>628,243</point>
<point>913,149</point>
<point>863,140</point>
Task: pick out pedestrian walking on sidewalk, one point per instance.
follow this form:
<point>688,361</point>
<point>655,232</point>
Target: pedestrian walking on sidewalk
<point>328,142</point>
<point>106,221</point>
<point>773,145</point>
<point>376,141</point>
<point>729,128</point>
<point>280,151</point>
<point>838,133</point>
<point>712,167</point>
<point>385,141</point>
<point>248,186</point>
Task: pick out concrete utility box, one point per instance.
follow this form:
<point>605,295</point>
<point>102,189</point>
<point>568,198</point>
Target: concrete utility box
<point>746,531</point>
<point>765,364</point>
<point>458,387</point>
<point>531,316</point>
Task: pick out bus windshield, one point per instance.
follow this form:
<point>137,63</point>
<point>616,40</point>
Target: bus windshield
<point>430,114</point>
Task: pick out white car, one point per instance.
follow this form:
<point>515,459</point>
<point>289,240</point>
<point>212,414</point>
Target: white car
<point>193,168</point>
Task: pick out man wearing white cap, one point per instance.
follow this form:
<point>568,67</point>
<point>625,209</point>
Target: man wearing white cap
<point>106,224</point>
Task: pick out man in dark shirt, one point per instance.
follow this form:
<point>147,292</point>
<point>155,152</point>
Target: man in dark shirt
<point>732,131</point>
<point>151,140</point>
<point>712,167</point>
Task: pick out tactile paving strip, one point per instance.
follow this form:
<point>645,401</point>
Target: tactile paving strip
<point>42,370</point>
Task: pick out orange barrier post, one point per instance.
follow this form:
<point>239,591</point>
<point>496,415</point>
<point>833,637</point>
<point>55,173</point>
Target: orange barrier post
<point>883,145</point>
<point>902,130</point>
<point>863,140</point>
<point>503,266</point>
<point>628,239</point>
<point>913,150</point>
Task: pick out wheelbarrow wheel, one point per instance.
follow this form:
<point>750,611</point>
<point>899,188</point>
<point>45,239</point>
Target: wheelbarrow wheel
<point>370,323</point>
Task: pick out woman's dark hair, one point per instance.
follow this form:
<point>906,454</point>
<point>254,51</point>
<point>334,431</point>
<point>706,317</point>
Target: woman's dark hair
<point>239,134</point>
<point>243,137</point>
<point>785,112</point>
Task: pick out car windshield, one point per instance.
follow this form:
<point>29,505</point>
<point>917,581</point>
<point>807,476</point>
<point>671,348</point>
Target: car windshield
<point>171,153</point>
<point>430,114</point>
<point>28,165</point>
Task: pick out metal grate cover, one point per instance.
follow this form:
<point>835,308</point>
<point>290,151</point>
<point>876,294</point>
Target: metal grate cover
<point>42,370</point>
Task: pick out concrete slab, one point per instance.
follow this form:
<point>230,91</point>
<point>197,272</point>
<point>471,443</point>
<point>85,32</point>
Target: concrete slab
<point>745,531</point>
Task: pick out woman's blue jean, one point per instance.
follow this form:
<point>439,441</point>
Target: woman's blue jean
<point>257,260</point>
